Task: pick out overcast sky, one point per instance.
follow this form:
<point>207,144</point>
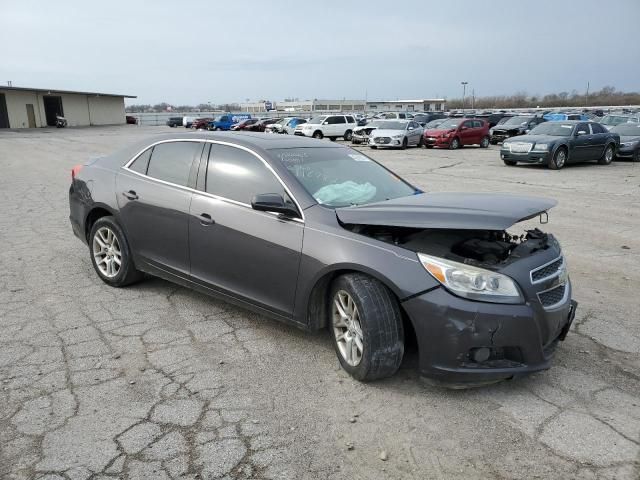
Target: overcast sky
<point>204,51</point>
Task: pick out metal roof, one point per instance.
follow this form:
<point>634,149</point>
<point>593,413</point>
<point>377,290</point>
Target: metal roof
<point>48,91</point>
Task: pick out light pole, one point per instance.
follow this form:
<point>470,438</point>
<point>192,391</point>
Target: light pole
<point>464,90</point>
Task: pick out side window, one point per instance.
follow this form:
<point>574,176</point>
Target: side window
<point>238,175</point>
<point>332,120</point>
<point>468,124</point>
<point>172,161</point>
<point>350,119</point>
<point>339,119</point>
<point>583,127</point>
<point>597,128</point>
<point>402,115</point>
<point>141,163</point>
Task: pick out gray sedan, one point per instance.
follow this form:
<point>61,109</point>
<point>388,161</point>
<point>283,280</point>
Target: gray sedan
<point>320,236</point>
<point>396,133</point>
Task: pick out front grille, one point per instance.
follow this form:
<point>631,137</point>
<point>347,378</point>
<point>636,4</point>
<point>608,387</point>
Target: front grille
<point>382,140</point>
<point>520,147</point>
<point>552,297</point>
<point>547,271</point>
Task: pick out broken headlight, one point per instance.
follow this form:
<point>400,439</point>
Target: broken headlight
<point>472,282</point>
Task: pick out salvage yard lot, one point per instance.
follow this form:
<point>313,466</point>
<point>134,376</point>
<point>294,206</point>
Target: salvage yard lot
<point>157,381</point>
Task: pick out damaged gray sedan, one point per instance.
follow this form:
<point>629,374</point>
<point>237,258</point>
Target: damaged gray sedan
<point>322,237</point>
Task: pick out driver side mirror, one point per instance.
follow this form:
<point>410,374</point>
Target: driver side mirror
<point>580,133</point>
<point>272,202</point>
<point>326,122</point>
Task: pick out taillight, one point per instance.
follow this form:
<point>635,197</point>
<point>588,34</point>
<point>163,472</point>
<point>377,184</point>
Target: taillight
<point>74,171</point>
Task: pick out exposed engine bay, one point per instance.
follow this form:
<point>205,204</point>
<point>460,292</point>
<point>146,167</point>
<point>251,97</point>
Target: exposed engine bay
<point>483,248</point>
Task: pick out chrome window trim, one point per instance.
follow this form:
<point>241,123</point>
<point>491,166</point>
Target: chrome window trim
<point>217,197</point>
<point>553,275</point>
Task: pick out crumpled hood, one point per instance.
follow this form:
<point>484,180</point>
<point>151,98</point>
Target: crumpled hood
<point>463,211</point>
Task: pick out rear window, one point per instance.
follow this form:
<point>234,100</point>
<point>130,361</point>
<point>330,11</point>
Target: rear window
<point>171,162</point>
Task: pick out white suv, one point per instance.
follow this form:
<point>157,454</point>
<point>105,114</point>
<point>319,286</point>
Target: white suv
<point>330,126</point>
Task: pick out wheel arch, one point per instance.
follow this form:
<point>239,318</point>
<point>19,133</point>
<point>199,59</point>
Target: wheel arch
<point>97,211</point>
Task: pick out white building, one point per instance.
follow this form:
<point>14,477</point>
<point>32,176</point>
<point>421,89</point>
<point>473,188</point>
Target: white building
<point>37,107</point>
<point>420,105</point>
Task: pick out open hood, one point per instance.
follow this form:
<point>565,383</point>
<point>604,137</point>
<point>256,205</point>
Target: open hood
<point>461,211</point>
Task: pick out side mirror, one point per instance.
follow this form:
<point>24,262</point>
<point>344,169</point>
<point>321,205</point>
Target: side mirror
<point>272,202</point>
<point>326,122</point>
<point>581,132</point>
<point>463,128</point>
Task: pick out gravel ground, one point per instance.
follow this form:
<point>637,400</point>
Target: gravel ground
<point>156,381</point>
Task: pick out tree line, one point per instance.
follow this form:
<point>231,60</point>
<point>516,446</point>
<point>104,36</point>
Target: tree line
<point>166,107</point>
<point>607,96</point>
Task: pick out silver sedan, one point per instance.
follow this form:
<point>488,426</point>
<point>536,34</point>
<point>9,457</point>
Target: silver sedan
<point>396,133</point>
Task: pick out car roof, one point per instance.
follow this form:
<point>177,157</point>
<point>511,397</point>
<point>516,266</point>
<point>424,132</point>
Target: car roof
<point>259,140</point>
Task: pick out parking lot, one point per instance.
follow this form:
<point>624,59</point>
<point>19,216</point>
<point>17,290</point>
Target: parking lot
<point>157,381</point>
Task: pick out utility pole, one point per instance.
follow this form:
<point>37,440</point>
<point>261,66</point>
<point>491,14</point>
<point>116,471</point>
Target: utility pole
<point>586,97</point>
<point>464,91</point>
<point>473,99</point>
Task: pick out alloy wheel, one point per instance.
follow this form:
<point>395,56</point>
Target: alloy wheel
<point>106,252</point>
<point>347,328</point>
<point>561,158</point>
<point>608,155</point>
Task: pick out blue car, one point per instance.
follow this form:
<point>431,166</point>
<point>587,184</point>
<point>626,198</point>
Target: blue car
<point>224,122</point>
<point>561,117</point>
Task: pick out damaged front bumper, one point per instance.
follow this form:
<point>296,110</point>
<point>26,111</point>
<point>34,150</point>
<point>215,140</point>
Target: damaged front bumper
<point>468,343</point>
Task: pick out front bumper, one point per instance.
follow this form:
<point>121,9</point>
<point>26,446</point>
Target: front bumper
<point>449,329</point>
<point>626,152</point>
<point>531,157</point>
<point>359,139</point>
<point>436,141</point>
<point>391,143</point>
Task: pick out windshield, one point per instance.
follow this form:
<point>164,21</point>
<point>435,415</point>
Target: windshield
<point>317,120</point>
<point>340,177</point>
<point>517,121</point>
<point>627,129</point>
<point>450,123</point>
<point>613,120</point>
<point>556,129</point>
<point>387,125</point>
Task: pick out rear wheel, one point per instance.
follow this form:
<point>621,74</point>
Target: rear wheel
<point>455,144</point>
<point>366,326</point>
<point>318,134</point>
<point>484,143</point>
<point>559,159</point>
<point>110,254</point>
<point>607,156</point>
<point>347,135</point>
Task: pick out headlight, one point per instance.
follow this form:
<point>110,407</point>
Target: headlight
<point>472,282</point>
<point>506,146</point>
<point>397,137</point>
<point>543,147</point>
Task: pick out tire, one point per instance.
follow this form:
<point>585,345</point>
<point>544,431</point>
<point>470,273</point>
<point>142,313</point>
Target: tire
<point>493,142</point>
<point>404,143</point>
<point>106,233</point>
<point>372,147</point>
<point>484,143</point>
<point>420,142</point>
<point>363,311</point>
<point>559,159</point>
<point>455,144</point>
<point>429,146</point>
<point>217,129</point>
<point>607,156</point>
<point>347,135</point>
<point>333,139</point>
<point>318,134</point>
<point>510,163</point>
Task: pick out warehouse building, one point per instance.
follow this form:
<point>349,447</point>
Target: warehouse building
<point>421,105</point>
<point>304,106</point>
<point>37,107</point>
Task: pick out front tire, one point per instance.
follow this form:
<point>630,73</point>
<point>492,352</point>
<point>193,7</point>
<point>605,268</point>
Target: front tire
<point>110,254</point>
<point>559,159</point>
<point>455,144</point>
<point>510,163</point>
<point>318,134</point>
<point>366,327</point>
<point>607,156</point>
<point>404,143</point>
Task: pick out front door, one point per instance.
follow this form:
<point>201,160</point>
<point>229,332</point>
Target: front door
<point>31,116</point>
<point>466,133</point>
<point>237,250</point>
<point>581,143</point>
<point>4,115</point>
<point>154,198</point>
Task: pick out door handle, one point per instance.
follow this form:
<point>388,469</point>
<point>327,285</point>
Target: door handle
<point>205,219</point>
<point>131,195</point>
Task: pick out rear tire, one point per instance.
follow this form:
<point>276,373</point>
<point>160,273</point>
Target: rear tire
<point>607,156</point>
<point>108,246</point>
<point>347,135</point>
<point>559,159</point>
<point>484,143</point>
<point>366,326</point>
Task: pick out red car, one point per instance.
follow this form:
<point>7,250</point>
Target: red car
<point>260,125</point>
<point>131,120</point>
<point>201,123</point>
<point>244,124</point>
<point>456,132</point>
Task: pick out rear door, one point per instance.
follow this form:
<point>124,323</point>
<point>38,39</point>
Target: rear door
<point>236,250</point>
<point>154,196</point>
<point>599,137</point>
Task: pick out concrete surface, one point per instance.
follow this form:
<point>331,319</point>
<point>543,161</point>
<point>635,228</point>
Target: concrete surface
<point>156,381</point>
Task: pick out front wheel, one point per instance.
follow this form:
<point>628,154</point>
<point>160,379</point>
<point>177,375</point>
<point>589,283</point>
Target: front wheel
<point>607,156</point>
<point>455,144</point>
<point>318,134</point>
<point>420,142</point>
<point>110,254</point>
<point>559,159</point>
<point>404,143</point>
<point>366,326</point>
<point>510,163</point>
